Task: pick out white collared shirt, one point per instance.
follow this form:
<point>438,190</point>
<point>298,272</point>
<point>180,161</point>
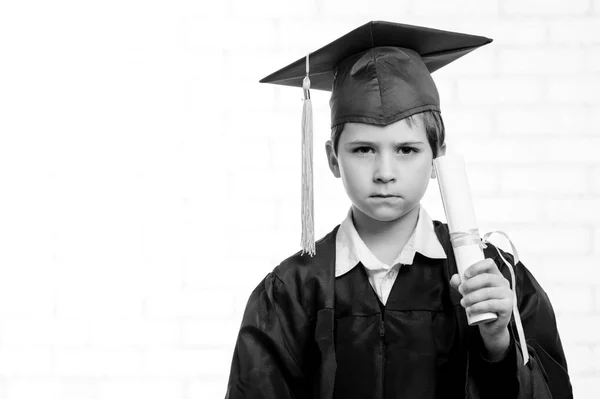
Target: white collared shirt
<point>350,249</point>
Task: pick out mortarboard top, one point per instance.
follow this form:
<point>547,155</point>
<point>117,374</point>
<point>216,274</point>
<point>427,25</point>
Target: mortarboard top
<point>378,74</point>
<point>437,48</point>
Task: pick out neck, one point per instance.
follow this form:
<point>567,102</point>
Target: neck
<point>376,233</point>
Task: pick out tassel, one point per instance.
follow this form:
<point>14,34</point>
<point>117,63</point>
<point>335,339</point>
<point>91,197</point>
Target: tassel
<point>308,219</point>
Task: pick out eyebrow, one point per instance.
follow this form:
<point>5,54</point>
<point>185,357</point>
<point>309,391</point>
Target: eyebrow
<point>369,143</point>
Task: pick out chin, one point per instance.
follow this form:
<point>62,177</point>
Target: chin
<point>383,214</point>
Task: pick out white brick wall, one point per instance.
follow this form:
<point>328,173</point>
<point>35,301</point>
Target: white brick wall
<point>148,182</point>
<point>539,7</point>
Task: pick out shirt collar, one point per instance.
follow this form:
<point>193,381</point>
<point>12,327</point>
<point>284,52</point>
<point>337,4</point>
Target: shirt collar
<point>350,248</point>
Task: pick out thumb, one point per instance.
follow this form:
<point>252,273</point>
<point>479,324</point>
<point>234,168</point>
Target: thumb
<point>455,281</point>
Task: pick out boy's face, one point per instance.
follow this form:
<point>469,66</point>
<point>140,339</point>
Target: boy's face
<point>385,169</point>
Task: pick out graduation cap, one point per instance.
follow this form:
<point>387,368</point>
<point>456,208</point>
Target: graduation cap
<point>378,74</point>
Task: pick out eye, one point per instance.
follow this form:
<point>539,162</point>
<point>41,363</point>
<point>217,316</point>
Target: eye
<point>407,150</point>
<point>362,150</point>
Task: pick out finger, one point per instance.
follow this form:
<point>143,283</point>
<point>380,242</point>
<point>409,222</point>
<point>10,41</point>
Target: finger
<point>482,281</point>
<point>491,305</point>
<point>483,266</point>
<point>484,294</point>
<point>455,281</point>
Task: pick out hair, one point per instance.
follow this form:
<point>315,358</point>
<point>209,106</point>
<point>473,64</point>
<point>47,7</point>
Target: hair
<point>434,129</point>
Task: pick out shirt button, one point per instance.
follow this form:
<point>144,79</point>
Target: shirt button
<point>392,273</point>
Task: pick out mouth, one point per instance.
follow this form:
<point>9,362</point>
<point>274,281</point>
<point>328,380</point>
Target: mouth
<point>385,196</point>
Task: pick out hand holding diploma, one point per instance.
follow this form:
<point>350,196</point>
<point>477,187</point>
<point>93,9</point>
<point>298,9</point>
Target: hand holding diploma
<point>487,297</point>
<point>485,289</point>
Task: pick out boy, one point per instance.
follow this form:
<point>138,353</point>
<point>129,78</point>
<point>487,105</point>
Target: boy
<point>379,311</point>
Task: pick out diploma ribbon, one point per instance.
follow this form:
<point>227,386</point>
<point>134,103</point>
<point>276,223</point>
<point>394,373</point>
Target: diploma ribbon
<point>471,237</point>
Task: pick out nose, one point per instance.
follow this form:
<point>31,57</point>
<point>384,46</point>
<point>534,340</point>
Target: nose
<point>384,169</point>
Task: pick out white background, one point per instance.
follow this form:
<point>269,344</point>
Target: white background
<point>148,182</point>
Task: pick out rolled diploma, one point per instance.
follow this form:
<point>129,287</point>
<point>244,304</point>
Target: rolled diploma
<point>458,206</point>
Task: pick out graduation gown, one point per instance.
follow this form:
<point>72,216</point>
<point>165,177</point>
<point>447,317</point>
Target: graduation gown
<point>295,341</point>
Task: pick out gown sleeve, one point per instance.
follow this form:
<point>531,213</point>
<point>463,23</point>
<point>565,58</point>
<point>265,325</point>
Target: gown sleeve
<point>545,375</point>
<point>269,355</point>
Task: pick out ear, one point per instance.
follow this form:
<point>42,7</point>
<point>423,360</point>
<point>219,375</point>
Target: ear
<point>441,153</point>
<point>332,160</point>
